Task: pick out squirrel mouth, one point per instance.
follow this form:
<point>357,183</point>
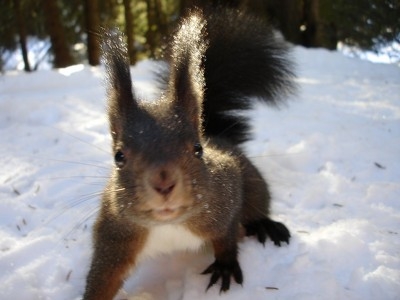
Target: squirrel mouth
<point>167,213</point>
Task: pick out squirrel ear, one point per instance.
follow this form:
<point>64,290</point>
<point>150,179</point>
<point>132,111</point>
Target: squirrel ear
<point>187,93</point>
<point>121,100</point>
<point>186,83</point>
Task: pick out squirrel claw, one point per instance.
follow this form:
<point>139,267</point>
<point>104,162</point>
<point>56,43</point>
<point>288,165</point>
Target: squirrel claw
<point>224,271</point>
<point>266,227</point>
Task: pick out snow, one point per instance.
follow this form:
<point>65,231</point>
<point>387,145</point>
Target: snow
<point>331,156</point>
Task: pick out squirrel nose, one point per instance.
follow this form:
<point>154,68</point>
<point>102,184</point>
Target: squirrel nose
<point>164,189</point>
<point>163,183</point>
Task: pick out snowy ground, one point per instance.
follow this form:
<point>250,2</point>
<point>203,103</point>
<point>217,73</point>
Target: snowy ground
<point>331,157</point>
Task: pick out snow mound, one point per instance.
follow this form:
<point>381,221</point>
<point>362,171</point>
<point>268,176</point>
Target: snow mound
<point>331,158</point>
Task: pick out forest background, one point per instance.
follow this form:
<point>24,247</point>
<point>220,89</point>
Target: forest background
<point>66,32</point>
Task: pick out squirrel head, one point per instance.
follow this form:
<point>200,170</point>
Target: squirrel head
<point>159,169</point>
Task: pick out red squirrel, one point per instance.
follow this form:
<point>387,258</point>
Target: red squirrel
<point>180,180</point>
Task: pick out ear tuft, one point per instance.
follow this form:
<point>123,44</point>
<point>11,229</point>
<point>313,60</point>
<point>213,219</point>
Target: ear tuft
<point>120,95</point>
<point>186,53</point>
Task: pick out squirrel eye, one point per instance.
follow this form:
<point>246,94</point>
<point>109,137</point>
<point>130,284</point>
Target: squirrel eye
<point>198,150</point>
<point>119,159</point>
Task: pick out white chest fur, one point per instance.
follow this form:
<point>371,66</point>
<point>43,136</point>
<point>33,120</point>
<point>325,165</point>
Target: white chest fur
<point>168,238</point>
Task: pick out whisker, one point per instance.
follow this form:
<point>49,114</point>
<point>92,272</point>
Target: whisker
<point>78,139</point>
<point>228,128</point>
<point>87,216</point>
<point>275,155</point>
<point>77,163</point>
<point>74,177</point>
<point>72,204</point>
<point>97,164</point>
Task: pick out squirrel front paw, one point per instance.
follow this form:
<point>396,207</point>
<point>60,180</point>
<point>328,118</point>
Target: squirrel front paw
<point>262,228</point>
<point>224,270</point>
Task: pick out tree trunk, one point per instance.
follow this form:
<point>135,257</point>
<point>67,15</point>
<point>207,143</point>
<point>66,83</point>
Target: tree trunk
<point>130,32</point>
<point>161,18</point>
<point>287,15</point>
<point>323,34</point>
<point>62,55</point>
<point>187,4</point>
<point>22,35</point>
<point>257,7</point>
<point>151,34</point>
<point>184,4</point>
<point>108,13</point>
<point>92,18</point>
<point>310,33</point>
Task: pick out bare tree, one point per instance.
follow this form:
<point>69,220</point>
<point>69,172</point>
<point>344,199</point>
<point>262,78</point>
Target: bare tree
<point>54,26</point>
<point>151,34</point>
<point>130,31</point>
<point>160,18</point>
<point>22,34</point>
<point>92,20</point>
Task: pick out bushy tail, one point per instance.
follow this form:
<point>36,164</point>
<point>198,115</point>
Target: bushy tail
<point>243,62</point>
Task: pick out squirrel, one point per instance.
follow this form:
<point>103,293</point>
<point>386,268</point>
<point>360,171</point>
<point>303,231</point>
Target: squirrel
<point>180,179</point>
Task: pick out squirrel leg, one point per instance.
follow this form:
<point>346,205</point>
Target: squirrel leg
<point>113,257</point>
<point>255,214</point>
<point>225,265</point>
